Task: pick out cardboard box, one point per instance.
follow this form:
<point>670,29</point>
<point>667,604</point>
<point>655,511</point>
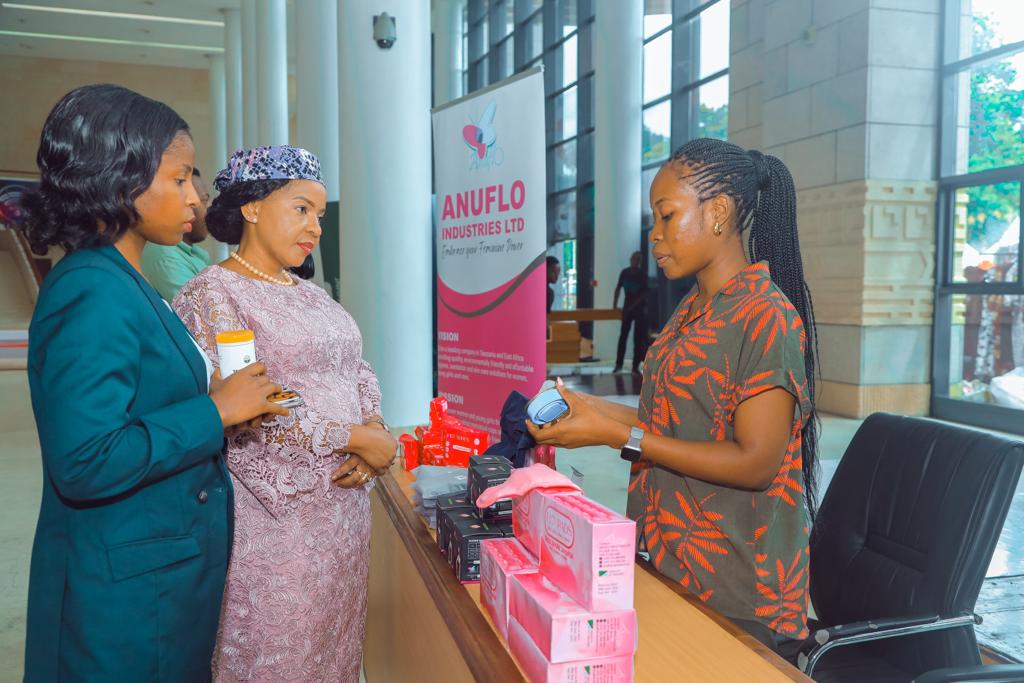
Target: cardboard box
<point>484,475</point>
<point>562,629</point>
<point>591,670</point>
<point>410,451</point>
<point>438,411</point>
<point>457,503</point>
<point>528,516</point>
<point>464,536</point>
<point>500,560</point>
<point>589,552</point>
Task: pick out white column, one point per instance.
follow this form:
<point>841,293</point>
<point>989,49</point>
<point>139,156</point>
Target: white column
<point>447,50</point>
<point>272,41</point>
<point>618,97</point>
<point>218,117</point>
<point>385,198</point>
<point>316,94</point>
<point>233,80</point>
<point>250,76</point>
<point>217,155</point>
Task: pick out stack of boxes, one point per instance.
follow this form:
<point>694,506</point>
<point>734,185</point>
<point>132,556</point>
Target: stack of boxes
<point>445,441</point>
<point>461,526</point>
<point>561,590</point>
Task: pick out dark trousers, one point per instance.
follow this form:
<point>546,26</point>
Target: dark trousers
<point>637,318</point>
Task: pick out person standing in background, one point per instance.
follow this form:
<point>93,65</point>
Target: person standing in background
<point>633,281</point>
<point>554,271</point>
<point>168,268</point>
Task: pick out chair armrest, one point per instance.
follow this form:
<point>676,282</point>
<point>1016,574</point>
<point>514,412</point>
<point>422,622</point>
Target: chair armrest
<point>1001,673</point>
<point>824,639</point>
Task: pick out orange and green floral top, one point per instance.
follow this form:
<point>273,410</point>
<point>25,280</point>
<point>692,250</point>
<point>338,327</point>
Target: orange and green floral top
<point>744,553</point>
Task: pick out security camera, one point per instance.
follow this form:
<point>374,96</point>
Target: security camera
<point>384,31</point>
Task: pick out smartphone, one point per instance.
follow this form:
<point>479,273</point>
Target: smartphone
<point>287,398</point>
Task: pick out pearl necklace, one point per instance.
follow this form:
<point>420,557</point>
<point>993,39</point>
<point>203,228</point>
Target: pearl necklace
<point>286,281</point>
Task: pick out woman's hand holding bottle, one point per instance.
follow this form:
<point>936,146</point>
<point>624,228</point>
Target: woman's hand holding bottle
<point>242,397</point>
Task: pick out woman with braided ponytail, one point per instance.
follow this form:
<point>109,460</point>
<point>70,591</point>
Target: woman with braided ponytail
<point>724,440</point>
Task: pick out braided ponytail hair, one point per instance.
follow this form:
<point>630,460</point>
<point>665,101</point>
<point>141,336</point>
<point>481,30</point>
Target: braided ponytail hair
<point>762,189</point>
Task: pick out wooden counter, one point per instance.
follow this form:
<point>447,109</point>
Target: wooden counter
<point>423,625</point>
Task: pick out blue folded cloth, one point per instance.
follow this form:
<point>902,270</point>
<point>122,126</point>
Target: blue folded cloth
<point>516,441</point>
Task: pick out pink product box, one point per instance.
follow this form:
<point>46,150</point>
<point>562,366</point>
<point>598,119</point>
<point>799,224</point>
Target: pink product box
<point>586,550</point>
<point>562,629</point>
<point>528,516</point>
<point>500,560</point>
<point>590,670</point>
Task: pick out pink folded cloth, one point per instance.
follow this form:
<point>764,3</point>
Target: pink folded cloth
<point>524,480</point>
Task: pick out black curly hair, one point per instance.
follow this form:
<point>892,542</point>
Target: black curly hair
<point>224,217</point>
<point>99,150</point>
<point>762,188</point>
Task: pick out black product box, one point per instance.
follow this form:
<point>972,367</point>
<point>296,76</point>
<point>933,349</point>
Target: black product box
<point>484,475</point>
<point>445,538</point>
<point>505,525</point>
<point>459,502</point>
<point>464,536</point>
<point>489,460</point>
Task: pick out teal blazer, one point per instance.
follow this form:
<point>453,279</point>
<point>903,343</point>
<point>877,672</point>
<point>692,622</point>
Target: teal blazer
<point>134,531</point>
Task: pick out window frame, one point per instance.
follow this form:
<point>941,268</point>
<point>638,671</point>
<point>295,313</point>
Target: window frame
<point>484,68</point>
<point>944,406</point>
<point>684,125</point>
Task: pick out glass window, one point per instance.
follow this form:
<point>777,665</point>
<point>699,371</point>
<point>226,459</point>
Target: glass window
<point>565,165</point>
<point>646,179</point>
<point>657,16</point>
<point>565,115</point>
<point>657,132</point>
<point>990,114</point>
<point>987,349</point>
<point>506,21</point>
<point>986,233</point>
<point>987,24</point>
<point>534,37</point>
<point>506,58</point>
<point>658,67</point>
<point>714,39</point>
<point>567,17</point>
<point>567,55</point>
<point>562,218</point>
<point>978,361</point>
<point>714,109</point>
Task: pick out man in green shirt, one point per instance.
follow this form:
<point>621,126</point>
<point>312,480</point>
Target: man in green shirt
<point>169,268</point>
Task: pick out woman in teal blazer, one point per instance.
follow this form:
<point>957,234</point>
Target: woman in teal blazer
<point>135,525</point>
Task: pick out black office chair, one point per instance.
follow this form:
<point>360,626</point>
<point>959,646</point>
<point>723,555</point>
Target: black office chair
<point>1002,673</point>
<point>900,548</point>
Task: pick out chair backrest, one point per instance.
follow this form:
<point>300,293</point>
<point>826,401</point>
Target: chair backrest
<point>908,527</point>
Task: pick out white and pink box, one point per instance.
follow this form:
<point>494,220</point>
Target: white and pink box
<point>500,560</point>
<point>584,548</point>
<point>589,670</point>
<point>562,629</point>
<point>528,516</point>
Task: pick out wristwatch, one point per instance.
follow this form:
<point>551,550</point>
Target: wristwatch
<point>380,420</point>
<point>631,451</point>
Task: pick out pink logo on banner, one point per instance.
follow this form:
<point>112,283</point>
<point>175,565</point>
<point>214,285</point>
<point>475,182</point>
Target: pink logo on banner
<point>482,135</point>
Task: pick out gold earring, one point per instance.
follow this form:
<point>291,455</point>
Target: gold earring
<point>718,229</point>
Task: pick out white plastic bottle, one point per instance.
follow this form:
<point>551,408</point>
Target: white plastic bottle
<point>235,350</point>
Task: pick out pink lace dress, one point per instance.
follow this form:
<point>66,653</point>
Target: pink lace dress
<point>295,600</point>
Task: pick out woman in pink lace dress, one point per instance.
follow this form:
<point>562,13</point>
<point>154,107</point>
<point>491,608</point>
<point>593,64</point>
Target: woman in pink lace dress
<point>295,600</point>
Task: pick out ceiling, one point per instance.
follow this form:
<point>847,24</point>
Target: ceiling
<point>147,38</point>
